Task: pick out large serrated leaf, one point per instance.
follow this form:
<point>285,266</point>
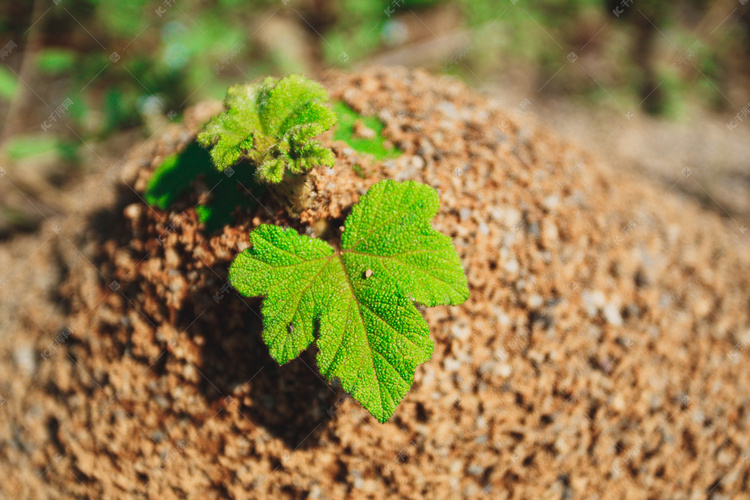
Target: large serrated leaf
<point>370,334</point>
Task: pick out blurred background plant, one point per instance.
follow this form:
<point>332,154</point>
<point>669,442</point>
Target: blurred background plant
<point>82,81</point>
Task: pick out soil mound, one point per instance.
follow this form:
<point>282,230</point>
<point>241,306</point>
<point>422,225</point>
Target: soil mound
<point>602,353</point>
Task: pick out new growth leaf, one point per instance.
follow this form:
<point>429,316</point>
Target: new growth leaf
<point>272,124</point>
<point>358,301</point>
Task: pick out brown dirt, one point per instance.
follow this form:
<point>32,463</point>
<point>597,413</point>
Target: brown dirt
<point>602,354</point>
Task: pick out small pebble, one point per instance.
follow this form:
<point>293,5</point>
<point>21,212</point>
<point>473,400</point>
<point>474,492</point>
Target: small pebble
<point>612,315</point>
<point>25,359</point>
<point>133,211</point>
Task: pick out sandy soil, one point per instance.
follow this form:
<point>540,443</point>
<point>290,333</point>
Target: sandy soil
<point>602,354</point>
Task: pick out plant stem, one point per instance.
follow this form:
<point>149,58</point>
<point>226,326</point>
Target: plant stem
<point>295,193</point>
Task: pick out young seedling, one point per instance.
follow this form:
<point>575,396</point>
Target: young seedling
<point>359,298</point>
<point>272,125</point>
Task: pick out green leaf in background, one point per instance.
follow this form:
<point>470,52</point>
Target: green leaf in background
<point>8,83</point>
<point>361,298</point>
<point>273,124</point>
<point>120,108</point>
<point>177,173</point>
<point>55,61</point>
<point>125,19</point>
<point>344,131</point>
<point>27,146</point>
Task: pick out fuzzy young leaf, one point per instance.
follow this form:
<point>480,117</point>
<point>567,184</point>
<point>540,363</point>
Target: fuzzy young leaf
<point>370,334</point>
<point>272,123</point>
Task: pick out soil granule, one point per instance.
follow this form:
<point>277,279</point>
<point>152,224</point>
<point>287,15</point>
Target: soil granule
<point>603,352</point>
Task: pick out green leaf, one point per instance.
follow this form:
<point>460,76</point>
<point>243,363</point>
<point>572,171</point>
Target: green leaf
<point>22,147</point>
<point>375,146</point>
<point>177,173</point>
<point>361,298</point>
<point>8,84</point>
<point>272,123</point>
<point>54,61</point>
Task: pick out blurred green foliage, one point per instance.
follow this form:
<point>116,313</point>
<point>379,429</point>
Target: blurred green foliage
<point>22,147</point>
<point>124,63</point>
<point>55,61</point>
<point>8,84</point>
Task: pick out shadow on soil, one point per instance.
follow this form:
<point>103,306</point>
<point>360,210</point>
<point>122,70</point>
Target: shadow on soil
<point>292,401</point>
